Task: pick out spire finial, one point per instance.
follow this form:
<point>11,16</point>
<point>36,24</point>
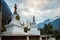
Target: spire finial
<point>15,8</point>
<point>33,18</point>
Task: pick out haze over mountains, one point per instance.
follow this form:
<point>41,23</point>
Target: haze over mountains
<point>55,23</point>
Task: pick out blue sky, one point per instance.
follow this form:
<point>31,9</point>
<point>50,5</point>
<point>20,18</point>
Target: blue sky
<point>41,9</point>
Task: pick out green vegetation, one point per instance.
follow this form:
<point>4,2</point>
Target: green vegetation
<point>48,30</point>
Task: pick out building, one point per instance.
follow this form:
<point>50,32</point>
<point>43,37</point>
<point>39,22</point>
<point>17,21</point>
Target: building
<point>5,14</point>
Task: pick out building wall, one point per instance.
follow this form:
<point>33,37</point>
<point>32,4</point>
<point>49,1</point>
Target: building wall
<point>0,16</point>
<point>6,13</point>
<point>19,38</point>
<point>13,38</point>
<point>0,20</point>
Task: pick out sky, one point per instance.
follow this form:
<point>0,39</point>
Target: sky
<point>41,9</point>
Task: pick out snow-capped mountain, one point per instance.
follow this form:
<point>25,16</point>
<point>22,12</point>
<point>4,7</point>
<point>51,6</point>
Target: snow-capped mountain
<point>54,18</point>
<point>55,23</point>
<point>41,25</point>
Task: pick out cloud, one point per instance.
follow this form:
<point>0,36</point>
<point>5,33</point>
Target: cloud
<point>41,9</point>
<point>54,4</point>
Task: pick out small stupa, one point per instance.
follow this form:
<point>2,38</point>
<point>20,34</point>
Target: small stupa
<point>33,28</point>
<point>14,27</point>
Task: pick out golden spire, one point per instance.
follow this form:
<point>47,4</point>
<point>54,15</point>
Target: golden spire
<point>15,9</point>
<point>15,12</point>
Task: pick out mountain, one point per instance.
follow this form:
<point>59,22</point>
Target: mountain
<point>41,25</point>
<point>55,18</point>
<point>55,23</point>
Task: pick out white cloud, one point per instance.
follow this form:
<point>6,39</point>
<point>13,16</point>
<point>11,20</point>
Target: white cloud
<point>42,9</point>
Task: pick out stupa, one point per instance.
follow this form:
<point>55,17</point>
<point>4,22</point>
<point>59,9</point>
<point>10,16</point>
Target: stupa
<point>33,28</point>
<point>15,28</point>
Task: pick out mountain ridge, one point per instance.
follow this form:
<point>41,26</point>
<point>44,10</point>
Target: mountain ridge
<point>55,23</point>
